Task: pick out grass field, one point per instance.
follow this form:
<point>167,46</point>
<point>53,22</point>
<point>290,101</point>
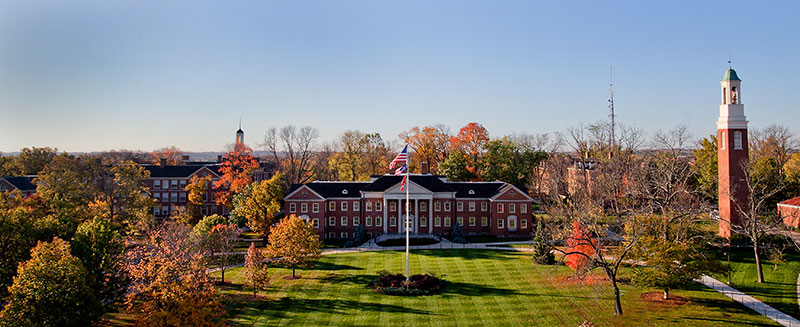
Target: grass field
<point>780,286</point>
<point>486,288</point>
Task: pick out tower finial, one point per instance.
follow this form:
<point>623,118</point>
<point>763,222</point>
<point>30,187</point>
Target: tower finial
<point>240,119</point>
<point>729,61</point>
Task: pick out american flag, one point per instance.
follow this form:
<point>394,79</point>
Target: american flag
<point>401,158</point>
<point>401,170</point>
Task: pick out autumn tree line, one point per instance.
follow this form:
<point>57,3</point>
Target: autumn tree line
<point>614,197</point>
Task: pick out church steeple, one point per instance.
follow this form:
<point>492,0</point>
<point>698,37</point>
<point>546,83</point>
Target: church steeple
<point>240,134</point>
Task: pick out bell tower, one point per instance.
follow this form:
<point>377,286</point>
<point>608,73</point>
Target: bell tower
<point>732,153</point>
<point>240,135</point>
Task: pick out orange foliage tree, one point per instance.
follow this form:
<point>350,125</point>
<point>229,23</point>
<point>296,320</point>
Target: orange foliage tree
<point>168,281</point>
<point>256,272</point>
<point>429,144</point>
<point>580,249</point>
<point>236,168</point>
<point>172,154</point>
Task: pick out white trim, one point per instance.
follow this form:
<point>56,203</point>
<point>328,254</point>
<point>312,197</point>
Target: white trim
<point>298,189</point>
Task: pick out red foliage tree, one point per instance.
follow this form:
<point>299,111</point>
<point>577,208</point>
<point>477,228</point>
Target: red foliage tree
<point>581,246</point>
<point>236,168</point>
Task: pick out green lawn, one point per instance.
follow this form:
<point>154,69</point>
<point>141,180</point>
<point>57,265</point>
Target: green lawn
<point>780,286</point>
<point>486,288</point>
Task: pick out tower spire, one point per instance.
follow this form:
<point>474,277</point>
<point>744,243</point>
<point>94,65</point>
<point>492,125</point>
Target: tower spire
<point>612,138</point>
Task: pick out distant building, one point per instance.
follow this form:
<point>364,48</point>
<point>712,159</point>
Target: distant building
<point>436,204</point>
<point>23,184</point>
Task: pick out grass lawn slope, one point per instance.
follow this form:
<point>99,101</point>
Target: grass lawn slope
<point>486,288</point>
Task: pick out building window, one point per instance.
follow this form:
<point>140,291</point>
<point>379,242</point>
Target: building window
<point>343,234</point>
<point>512,223</point>
<point>500,223</point>
<point>484,221</point>
<point>344,206</point>
<point>437,206</point>
<point>182,197</point>
<point>331,234</point>
<point>356,206</point>
<point>331,221</point>
<point>173,197</point>
<point>205,197</point>
<point>423,206</point>
<point>512,208</point>
<point>315,207</point>
<point>460,221</point>
<point>447,206</point>
<point>157,184</point>
<point>484,206</point>
<point>156,211</point>
<point>378,206</point>
<point>523,208</point>
<point>369,220</point>
<point>459,206</point>
<point>157,196</point>
<point>173,184</point>
<point>164,210</point>
<point>332,206</point>
<point>344,221</point>
<point>183,184</point>
<point>392,221</point>
<point>523,223</point>
<point>164,197</point>
<point>315,222</point>
<point>423,222</point>
<point>378,221</point>
<point>368,206</point>
<point>437,222</point>
<point>356,221</point>
<point>304,207</point>
<point>500,208</point>
<point>446,221</point>
<point>472,206</point>
<point>737,140</point>
<point>472,221</point>
<point>392,206</point>
<point>204,210</point>
<point>292,207</point>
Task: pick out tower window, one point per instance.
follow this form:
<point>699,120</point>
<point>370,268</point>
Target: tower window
<point>737,140</point>
<point>723,140</point>
<point>734,96</point>
<point>724,95</point>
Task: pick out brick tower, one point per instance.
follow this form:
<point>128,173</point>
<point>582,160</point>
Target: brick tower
<point>732,153</point>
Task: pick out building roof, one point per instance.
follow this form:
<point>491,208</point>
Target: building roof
<point>337,189</point>
<point>791,202</point>
<point>240,131</point>
<point>177,171</point>
<point>22,183</point>
<point>430,182</point>
<point>730,75</point>
<point>476,189</point>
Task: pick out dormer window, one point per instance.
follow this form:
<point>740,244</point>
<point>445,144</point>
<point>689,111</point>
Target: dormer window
<point>471,192</point>
<point>305,193</point>
<point>344,191</point>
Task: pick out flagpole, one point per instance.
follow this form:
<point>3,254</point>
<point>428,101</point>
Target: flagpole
<point>408,185</point>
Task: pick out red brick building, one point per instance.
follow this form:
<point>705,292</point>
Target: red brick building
<point>790,211</point>
<point>167,185</point>
<point>436,204</point>
<point>732,153</point>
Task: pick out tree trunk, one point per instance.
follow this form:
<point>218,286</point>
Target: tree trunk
<point>223,273</point>
<point>758,263</point>
<point>666,294</point>
<point>617,303</point>
<point>293,272</point>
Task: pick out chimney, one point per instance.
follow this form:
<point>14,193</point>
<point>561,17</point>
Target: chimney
<point>185,158</point>
<point>163,161</point>
<point>219,158</point>
<point>424,168</point>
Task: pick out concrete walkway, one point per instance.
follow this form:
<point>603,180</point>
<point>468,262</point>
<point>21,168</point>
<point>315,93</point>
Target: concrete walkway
<point>750,302</point>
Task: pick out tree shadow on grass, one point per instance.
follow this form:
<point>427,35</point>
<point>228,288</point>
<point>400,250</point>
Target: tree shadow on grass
<point>286,305</point>
<point>470,289</point>
<point>362,279</point>
<point>469,254</point>
<point>320,265</point>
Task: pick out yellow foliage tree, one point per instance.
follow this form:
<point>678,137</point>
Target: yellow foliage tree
<point>259,203</point>
<point>295,243</point>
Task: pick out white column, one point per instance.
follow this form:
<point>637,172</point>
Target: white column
<point>430,215</point>
<point>416,215</point>
<point>385,219</point>
<point>399,215</point>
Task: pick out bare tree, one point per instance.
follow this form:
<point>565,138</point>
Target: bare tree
<point>297,147</point>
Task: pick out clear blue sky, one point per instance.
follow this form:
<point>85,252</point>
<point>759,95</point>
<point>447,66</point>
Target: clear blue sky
<point>99,75</point>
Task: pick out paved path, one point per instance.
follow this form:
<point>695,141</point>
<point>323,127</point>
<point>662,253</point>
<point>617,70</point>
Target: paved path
<point>750,302</point>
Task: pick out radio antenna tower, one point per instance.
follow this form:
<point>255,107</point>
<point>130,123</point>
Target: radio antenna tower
<point>612,138</point>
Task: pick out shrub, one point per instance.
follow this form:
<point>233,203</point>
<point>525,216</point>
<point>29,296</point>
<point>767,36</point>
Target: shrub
<point>396,284</point>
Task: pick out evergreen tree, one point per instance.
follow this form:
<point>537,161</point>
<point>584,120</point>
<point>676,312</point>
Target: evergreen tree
<point>541,245</point>
<point>456,235</point>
